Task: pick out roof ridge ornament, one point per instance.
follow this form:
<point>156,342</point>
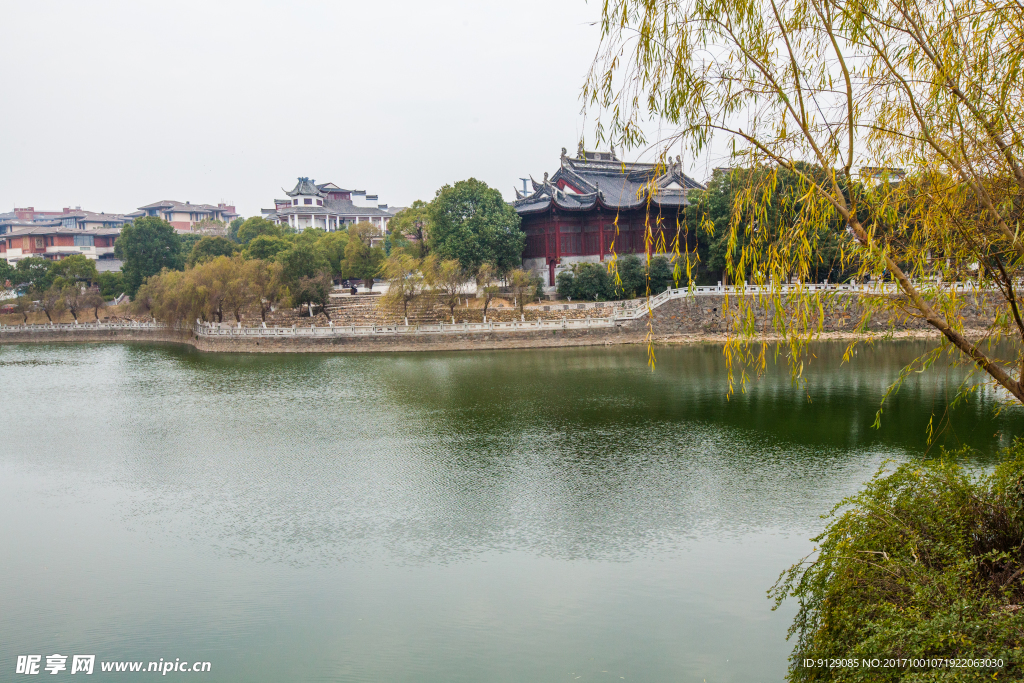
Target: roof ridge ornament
<point>580,152</point>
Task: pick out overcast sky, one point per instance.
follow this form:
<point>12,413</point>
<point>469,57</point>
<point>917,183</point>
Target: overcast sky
<point>113,105</point>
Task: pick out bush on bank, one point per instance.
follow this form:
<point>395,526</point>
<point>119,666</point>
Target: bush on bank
<point>927,562</point>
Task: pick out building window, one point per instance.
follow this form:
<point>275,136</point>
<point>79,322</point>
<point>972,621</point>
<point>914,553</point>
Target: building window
<point>39,243</point>
<point>84,240</point>
<point>295,202</point>
<point>319,202</point>
<point>307,200</point>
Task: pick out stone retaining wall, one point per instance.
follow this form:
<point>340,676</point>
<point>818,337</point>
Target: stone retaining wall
<point>708,315</point>
<point>692,316</point>
<point>449,341</point>
<point>40,335</point>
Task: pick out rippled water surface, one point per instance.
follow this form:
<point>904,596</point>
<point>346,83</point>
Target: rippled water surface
<point>544,515</point>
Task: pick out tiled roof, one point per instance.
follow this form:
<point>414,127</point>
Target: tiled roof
<point>305,186</point>
<point>57,230</point>
<point>600,178</point>
<point>338,207</point>
<point>185,206</point>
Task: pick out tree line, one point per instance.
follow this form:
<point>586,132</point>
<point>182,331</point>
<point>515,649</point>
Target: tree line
<point>71,284</point>
<point>467,232</point>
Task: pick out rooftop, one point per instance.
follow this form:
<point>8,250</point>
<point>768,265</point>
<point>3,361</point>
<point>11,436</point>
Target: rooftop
<point>600,178</point>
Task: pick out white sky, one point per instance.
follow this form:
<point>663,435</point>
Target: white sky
<point>111,105</point>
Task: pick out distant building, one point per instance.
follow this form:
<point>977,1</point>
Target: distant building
<point>596,203</point>
<point>873,175</point>
<point>184,215</point>
<point>328,207</point>
<point>55,242</point>
<point>74,219</point>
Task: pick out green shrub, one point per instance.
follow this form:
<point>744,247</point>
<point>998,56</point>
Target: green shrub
<point>926,562</point>
<point>111,284</point>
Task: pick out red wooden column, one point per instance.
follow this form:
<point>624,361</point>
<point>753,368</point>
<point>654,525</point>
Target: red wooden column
<point>558,238</point>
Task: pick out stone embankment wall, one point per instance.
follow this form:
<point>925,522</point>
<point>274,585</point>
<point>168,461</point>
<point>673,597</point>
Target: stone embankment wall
<point>707,315</point>
<point>43,335</point>
<point>449,341</point>
<point>384,342</point>
<point>703,316</point>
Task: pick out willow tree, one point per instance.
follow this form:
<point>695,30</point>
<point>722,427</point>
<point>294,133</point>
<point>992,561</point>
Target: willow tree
<point>925,95</point>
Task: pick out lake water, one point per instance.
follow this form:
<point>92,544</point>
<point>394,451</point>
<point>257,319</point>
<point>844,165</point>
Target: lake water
<point>542,515</point>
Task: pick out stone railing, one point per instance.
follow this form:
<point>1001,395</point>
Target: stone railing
<point>82,327</point>
<point>216,330</point>
<point>637,308</point>
<point>614,314</point>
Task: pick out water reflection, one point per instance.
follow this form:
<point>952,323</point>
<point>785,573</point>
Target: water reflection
<point>473,516</point>
<point>564,453</point>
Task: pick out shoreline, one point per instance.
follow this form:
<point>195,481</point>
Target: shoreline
<point>498,340</point>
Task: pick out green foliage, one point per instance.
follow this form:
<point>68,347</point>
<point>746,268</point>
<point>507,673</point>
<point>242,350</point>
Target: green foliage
<point>209,248</point>
<point>405,280</point>
<point>632,276</point>
<point>470,222</point>
<point>233,227</point>
<point>780,206</point>
<point>264,247</point>
<point>75,268</point>
<point>593,282</point>
<point>315,291</point>
<point>925,562</point>
<point>523,284</point>
<point>6,272</point>
<point>333,245</point>
<point>362,260</point>
<point>660,275</point>
<point>303,259</point>
<point>111,284</point>
<point>410,229</point>
<point>146,246</point>
<point>256,226</point>
<point>33,272</point>
<point>188,240</point>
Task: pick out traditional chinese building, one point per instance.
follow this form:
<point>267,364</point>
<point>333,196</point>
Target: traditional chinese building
<point>595,204</point>
<point>328,207</point>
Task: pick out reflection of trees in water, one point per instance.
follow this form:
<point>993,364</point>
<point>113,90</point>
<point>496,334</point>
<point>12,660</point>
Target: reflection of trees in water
<point>833,405</point>
<point>562,452</point>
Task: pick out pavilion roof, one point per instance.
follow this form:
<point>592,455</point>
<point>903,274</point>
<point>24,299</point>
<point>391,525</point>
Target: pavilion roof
<point>601,179</point>
<point>305,186</point>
